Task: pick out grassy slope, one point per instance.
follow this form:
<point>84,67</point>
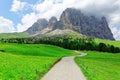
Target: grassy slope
<point>74,34</point>
<point>28,61</point>
<point>100,66</point>
<point>18,67</point>
<point>115,43</point>
<point>35,49</point>
<point>14,35</point>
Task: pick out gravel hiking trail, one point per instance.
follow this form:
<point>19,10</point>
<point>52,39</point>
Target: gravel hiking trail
<point>65,69</point>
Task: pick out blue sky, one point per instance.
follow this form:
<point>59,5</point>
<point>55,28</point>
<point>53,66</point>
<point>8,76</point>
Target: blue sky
<point>7,12</point>
<point>5,6</point>
<point>19,15</point>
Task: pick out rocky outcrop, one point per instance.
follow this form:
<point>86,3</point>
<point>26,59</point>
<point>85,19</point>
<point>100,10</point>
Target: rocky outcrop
<point>52,22</point>
<point>85,24</point>
<point>37,26</point>
<point>75,20</point>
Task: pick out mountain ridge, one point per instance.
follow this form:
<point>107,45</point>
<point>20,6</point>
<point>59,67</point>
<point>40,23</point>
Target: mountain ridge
<point>77,21</point>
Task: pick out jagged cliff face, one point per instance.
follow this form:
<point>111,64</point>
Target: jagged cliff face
<point>52,22</point>
<point>75,20</point>
<point>37,26</point>
<point>84,24</point>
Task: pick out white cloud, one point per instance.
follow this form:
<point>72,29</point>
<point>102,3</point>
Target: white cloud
<point>48,8</point>
<point>6,25</point>
<point>26,22</point>
<point>116,33</point>
<point>18,6</point>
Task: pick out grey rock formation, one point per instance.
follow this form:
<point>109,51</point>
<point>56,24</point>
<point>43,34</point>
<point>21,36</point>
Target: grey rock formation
<point>75,20</point>
<point>54,24</point>
<point>85,24</point>
<point>52,21</point>
<point>37,26</point>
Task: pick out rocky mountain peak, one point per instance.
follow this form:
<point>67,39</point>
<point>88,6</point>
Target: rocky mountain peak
<point>42,22</point>
<point>76,20</point>
<point>65,19</point>
<point>52,21</point>
<point>88,25</point>
<point>37,26</point>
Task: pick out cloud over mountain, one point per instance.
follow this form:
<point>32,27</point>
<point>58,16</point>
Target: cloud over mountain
<point>48,8</point>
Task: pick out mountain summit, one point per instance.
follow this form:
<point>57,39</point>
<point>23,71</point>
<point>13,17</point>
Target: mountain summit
<point>74,19</point>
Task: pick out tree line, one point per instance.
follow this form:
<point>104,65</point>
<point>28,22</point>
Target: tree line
<point>73,43</point>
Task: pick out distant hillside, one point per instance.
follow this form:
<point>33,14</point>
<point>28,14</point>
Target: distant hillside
<point>68,39</point>
<point>74,20</point>
<point>14,35</point>
<point>115,43</point>
<point>58,32</point>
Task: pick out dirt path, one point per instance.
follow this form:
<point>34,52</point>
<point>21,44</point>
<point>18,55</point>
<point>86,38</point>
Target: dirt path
<point>66,69</point>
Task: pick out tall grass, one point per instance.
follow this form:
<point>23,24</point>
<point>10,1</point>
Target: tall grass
<point>19,67</point>
<point>100,66</point>
<point>28,61</point>
<point>35,49</point>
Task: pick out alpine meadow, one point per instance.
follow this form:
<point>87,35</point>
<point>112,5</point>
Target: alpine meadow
<point>60,40</point>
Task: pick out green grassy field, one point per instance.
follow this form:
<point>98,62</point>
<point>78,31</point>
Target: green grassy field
<point>100,66</point>
<point>32,61</point>
<point>115,43</point>
<point>19,67</point>
<point>35,50</point>
<point>28,61</point>
<point>14,35</point>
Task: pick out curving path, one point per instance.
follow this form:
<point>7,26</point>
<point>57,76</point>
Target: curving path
<point>66,69</point>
